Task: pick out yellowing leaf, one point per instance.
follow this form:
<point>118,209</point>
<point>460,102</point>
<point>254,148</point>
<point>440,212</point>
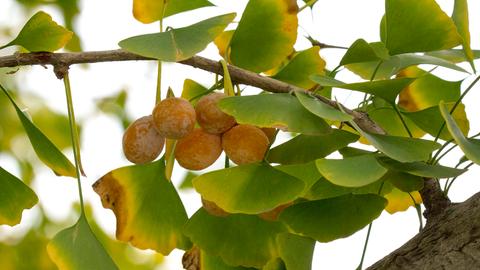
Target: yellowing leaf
<point>222,42</point>
<point>418,26</point>
<point>41,33</point>
<point>269,25</point>
<point>460,18</point>
<point>178,44</point>
<point>15,196</point>
<point>148,11</point>
<point>400,201</point>
<point>148,209</point>
<point>77,248</point>
<point>299,69</point>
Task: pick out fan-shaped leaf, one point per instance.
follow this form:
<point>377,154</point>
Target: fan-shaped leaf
<point>400,201</point>
<point>148,11</point>
<point>148,209</point>
<point>272,26</point>
<point>281,111</point>
<point>41,34</point>
<point>460,18</point>
<point>78,248</point>
<point>178,44</point>
<point>295,251</point>
<point>321,109</point>
<point>193,91</point>
<point>238,239</point>
<point>421,168</point>
<point>46,151</point>
<point>15,197</point>
<point>330,219</point>
<point>418,26</point>
<point>249,189</point>
<point>470,149</point>
<point>307,172</point>
<point>361,51</point>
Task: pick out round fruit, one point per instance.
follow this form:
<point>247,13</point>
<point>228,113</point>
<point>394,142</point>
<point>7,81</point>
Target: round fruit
<point>213,209</point>
<point>174,117</point>
<point>245,144</point>
<point>198,150</point>
<point>210,117</point>
<point>141,141</point>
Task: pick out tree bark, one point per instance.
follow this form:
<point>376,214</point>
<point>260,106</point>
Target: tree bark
<point>449,241</point>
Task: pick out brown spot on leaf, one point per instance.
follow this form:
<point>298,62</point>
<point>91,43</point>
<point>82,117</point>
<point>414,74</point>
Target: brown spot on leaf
<point>113,197</point>
<point>191,259</point>
<point>292,6</point>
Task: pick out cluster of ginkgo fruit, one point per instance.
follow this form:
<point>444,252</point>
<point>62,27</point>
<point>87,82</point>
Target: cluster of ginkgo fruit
<point>196,148</point>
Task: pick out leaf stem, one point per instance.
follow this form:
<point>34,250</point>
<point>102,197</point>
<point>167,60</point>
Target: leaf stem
<point>74,136</point>
<point>418,207</point>
<point>308,4</point>
<point>455,178</point>
<point>158,92</point>
<point>456,104</point>
<point>402,120</point>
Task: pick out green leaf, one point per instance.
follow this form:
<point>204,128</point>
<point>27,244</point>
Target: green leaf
<point>388,120</point>
<point>460,18</point>
<point>263,111</point>
<point>361,51</point>
<point>275,264</point>
<point>178,44</point>
<point>386,89</point>
<point>421,168</point>
<point>209,262</point>
<point>78,248</point>
<point>404,181</point>
<point>272,26</point>
<point>396,63</point>
<point>427,90</point>
<point>352,151</point>
<point>454,55</point>
<point>299,69</point>
<point>431,120</point>
<point>46,151</point>
<point>321,109</point>
<point>352,171</point>
<point>307,172</point>
<point>470,149</point>
<point>324,189</point>
<point>41,34</point>
<point>418,26</point>
<point>305,148</point>
<point>148,11</point>
<point>330,219</point>
<point>148,209</point>
<point>186,182</point>
<point>249,189</point>
<point>238,239</point>
<point>296,251</point>
<point>15,197</point>
<point>193,91</point>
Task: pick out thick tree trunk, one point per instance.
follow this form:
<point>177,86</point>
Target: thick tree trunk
<point>449,241</point>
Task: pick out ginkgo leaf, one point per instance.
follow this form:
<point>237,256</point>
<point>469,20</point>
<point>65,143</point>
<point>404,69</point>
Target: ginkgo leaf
<point>324,189</point>
<point>334,218</point>
<point>222,42</point>
<point>148,11</point>
<point>400,201</point>
<point>307,172</point>
<point>470,149</point>
<point>249,189</point>
<point>193,91</point>
<point>299,69</point>
<point>352,171</point>
<point>15,197</point>
<point>418,26</point>
<point>46,151</point>
<point>454,55</point>
<point>295,251</point>
<point>238,239</point>
<point>178,44</point>
<point>421,168</point>
<point>460,18</point>
<point>272,26</point>
<point>386,89</point>
<point>263,111</point>
<point>148,209</point>
<point>396,63</point>
<point>78,248</point>
<point>361,51</point>
<point>388,119</point>
<point>305,148</point>
<point>427,90</point>
<point>321,109</point>
<point>41,34</point>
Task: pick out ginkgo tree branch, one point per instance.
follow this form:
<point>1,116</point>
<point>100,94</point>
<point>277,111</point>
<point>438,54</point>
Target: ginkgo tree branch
<point>61,62</point>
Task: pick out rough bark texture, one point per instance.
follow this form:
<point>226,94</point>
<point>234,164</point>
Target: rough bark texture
<point>450,241</point>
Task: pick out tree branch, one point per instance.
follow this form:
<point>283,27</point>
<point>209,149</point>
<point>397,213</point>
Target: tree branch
<point>238,75</point>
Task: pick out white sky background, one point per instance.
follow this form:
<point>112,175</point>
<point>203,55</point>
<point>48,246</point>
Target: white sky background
<point>103,23</point>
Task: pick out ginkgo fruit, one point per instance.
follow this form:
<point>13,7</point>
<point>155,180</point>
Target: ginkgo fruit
<point>141,141</point>
<point>210,117</point>
<point>174,118</point>
<point>245,144</point>
<point>213,209</point>
<point>198,150</point>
